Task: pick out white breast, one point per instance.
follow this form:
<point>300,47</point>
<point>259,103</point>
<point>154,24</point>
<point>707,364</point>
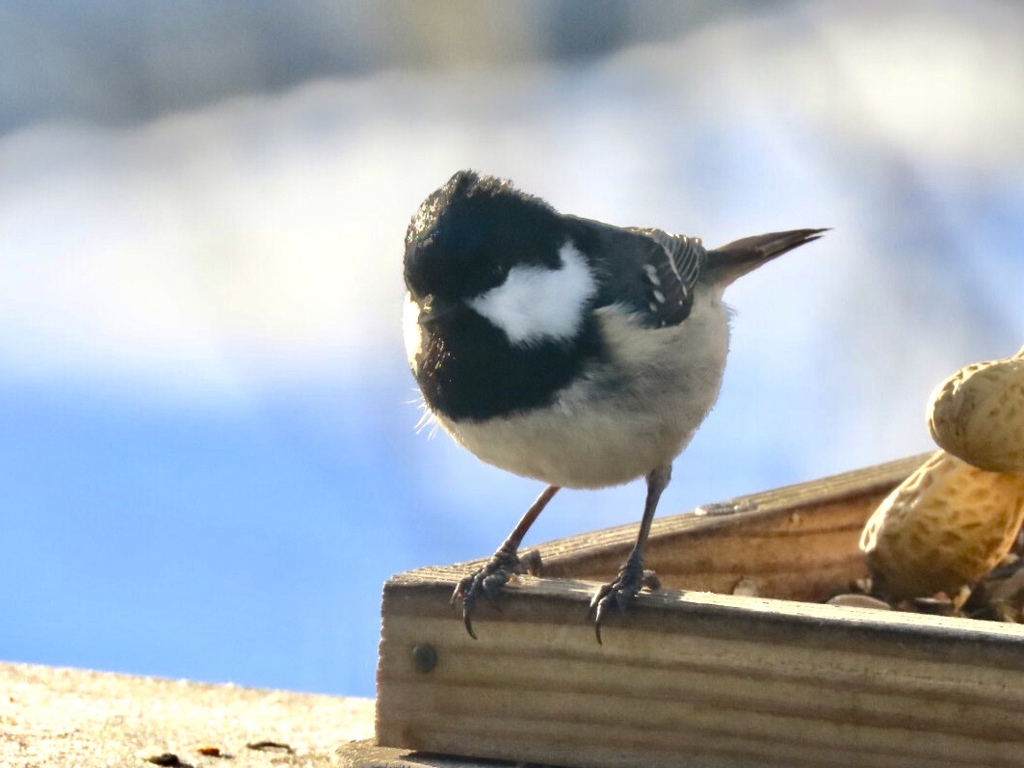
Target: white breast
<point>619,421</point>
<point>412,334</point>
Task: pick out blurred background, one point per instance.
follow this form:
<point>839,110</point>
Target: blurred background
<point>208,463</point>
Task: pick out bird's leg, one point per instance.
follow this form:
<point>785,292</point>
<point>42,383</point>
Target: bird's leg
<point>621,592</point>
<point>503,564</point>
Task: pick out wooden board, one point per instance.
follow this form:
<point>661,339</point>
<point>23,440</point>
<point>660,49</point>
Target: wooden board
<point>702,679</point>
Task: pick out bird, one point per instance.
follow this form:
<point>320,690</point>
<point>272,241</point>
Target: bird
<point>566,350</point>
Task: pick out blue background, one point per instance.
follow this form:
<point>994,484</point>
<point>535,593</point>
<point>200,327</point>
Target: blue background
<point>208,462</point>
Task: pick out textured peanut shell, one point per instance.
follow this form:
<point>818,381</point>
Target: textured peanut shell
<point>977,414</point>
<point>946,525</point>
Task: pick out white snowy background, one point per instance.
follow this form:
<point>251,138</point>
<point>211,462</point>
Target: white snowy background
<point>208,464</point>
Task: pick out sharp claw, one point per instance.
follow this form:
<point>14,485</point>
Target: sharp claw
<point>465,591</point>
<point>599,607</point>
<point>621,592</point>
<point>467,619</point>
<point>458,592</point>
<point>487,582</point>
<point>598,617</point>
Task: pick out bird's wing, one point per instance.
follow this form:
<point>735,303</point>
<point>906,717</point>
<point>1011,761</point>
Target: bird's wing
<point>671,265</point>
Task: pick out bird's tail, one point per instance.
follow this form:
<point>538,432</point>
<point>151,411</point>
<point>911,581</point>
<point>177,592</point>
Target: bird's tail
<point>734,260</point>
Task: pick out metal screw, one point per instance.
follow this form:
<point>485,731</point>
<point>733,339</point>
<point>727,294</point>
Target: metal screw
<point>424,657</point>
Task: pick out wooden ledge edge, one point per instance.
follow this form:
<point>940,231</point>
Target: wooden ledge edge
<point>366,754</point>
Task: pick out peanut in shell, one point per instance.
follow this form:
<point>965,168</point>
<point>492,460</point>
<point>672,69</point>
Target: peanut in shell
<point>945,526</point>
<point>977,414</point>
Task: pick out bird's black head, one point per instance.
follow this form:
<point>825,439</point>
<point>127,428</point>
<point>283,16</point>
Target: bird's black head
<point>468,234</point>
<point>497,320</point>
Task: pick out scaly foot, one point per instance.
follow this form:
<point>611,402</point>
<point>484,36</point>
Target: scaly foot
<point>487,583</point>
<point>622,590</point>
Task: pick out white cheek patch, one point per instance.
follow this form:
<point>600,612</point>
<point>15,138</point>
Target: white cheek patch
<point>536,304</point>
<point>411,330</point>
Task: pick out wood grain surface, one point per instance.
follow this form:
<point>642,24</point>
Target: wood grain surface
<point>694,678</point>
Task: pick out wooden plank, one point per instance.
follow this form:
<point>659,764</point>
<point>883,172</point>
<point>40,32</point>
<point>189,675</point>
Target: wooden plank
<point>697,678</point>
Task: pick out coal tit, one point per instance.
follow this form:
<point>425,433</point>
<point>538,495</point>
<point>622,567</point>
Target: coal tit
<point>567,350</point>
